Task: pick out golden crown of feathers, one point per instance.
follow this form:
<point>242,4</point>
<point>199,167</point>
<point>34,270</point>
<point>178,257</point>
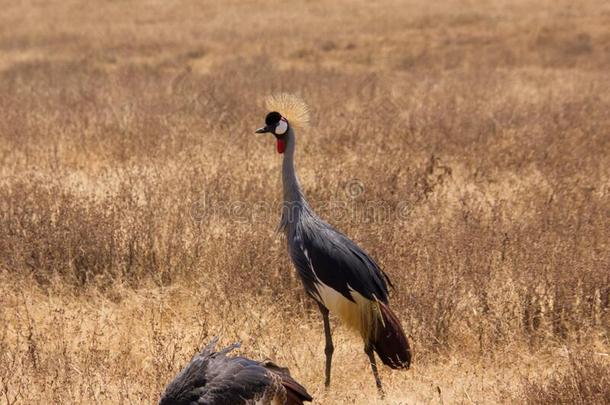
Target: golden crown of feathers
<point>291,107</point>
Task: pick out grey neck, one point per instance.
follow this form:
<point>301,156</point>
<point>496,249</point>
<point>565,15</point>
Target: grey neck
<point>290,181</point>
<point>294,200</point>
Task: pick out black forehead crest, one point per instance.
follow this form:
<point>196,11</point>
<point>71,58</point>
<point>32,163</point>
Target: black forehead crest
<point>272,118</point>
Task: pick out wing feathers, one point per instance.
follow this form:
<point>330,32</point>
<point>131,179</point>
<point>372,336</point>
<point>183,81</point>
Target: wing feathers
<point>330,257</point>
<point>389,340</point>
<point>212,378</point>
<point>296,394</point>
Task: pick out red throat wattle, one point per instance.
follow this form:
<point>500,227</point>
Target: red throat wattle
<point>281,145</point>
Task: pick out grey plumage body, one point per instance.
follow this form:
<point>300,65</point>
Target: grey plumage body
<point>213,378</point>
<point>305,230</point>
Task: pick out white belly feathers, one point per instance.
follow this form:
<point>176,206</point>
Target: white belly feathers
<point>358,314</point>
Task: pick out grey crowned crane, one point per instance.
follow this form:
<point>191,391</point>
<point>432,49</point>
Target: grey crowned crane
<point>213,378</point>
<point>340,276</point>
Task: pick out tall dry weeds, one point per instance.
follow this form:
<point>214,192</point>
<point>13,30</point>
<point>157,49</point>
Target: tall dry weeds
<point>464,147</point>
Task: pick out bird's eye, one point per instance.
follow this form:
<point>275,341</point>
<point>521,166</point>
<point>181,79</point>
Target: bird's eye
<point>281,127</point>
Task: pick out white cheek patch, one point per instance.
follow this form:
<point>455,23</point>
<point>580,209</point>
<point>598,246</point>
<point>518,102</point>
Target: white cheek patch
<point>281,127</point>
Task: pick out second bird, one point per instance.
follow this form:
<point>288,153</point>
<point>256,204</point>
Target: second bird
<point>340,276</point>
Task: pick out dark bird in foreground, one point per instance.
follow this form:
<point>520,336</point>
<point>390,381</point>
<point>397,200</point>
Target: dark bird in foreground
<point>340,276</point>
<point>213,378</point>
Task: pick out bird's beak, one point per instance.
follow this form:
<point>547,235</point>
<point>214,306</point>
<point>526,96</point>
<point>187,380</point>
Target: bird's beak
<point>263,130</point>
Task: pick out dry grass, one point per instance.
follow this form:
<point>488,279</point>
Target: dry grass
<point>134,199</point>
<point>587,381</point>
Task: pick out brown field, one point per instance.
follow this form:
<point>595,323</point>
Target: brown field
<point>464,144</point>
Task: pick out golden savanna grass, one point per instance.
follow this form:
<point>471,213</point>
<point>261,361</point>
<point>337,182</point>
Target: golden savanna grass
<point>465,145</point>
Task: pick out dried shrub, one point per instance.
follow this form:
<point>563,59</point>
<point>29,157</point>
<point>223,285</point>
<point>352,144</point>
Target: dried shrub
<point>585,381</point>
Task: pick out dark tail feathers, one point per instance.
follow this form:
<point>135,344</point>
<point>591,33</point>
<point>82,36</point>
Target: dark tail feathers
<point>390,342</point>
<point>296,394</point>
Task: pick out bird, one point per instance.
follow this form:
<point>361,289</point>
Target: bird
<point>339,275</point>
<point>214,378</point>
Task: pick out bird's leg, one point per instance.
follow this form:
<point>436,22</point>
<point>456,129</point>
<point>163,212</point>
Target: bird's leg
<point>329,349</point>
<point>368,349</point>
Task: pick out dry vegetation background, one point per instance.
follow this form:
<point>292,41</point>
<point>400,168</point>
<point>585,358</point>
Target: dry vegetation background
<point>481,127</point>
